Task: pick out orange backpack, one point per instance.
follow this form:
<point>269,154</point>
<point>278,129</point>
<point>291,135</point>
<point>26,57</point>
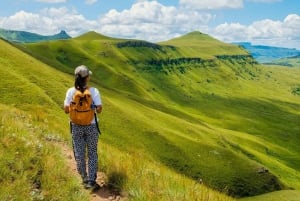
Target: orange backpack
<point>81,111</point>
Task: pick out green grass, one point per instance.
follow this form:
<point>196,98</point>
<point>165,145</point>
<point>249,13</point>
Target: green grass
<point>198,44</point>
<point>218,120</point>
<point>287,195</point>
<point>32,168</point>
<point>289,62</point>
<point>198,96</point>
<point>32,122</point>
<point>141,178</point>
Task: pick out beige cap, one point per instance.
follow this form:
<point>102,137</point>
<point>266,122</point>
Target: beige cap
<point>83,71</point>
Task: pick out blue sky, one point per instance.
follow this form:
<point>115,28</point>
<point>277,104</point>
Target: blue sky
<point>264,22</point>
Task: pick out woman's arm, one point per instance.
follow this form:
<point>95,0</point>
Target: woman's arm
<point>66,109</point>
<point>99,108</point>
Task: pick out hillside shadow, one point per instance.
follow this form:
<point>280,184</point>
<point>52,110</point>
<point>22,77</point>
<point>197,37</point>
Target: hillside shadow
<point>170,111</point>
<point>269,119</point>
<point>265,117</point>
<point>209,164</point>
<point>111,186</point>
<point>116,181</point>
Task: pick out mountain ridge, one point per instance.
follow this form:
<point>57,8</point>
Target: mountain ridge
<point>92,35</point>
<point>268,54</point>
<point>28,37</point>
<point>262,53</point>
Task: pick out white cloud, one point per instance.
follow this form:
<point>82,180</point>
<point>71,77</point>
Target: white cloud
<point>20,21</point>
<point>49,21</point>
<point>152,21</point>
<point>211,4</point>
<point>90,2</point>
<point>275,33</point>
<point>265,1</point>
<point>218,4</point>
<point>292,22</point>
<point>52,1</point>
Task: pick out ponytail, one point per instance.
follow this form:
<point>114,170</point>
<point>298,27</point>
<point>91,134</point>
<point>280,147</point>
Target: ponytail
<point>80,83</point>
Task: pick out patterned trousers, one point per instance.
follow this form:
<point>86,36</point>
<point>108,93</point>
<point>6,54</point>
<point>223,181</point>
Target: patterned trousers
<point>85,139</point>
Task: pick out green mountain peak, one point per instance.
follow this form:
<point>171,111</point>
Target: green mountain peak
<point>28,37</point>
<point>92,35</point>
<point>192,38</point>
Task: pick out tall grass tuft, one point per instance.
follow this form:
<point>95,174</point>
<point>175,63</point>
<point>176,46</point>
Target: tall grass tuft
<point>142,179</point>
<point>31,167</point>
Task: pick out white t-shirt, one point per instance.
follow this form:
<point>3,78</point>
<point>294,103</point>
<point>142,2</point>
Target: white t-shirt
<point>94,92</point>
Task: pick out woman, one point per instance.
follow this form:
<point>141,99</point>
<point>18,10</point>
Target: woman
<point>85,137</point>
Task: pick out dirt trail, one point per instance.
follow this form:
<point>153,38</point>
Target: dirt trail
<point>104,193</point>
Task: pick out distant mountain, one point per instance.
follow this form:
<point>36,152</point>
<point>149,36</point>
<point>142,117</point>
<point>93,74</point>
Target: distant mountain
<point>267,54</point>
<point>27,37</point>
<point>293,61</point>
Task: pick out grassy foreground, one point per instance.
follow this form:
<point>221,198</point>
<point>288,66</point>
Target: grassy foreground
<point>32,122</point>
<point>213,116</point>
<point>31,166</point>
<point>144,179</point>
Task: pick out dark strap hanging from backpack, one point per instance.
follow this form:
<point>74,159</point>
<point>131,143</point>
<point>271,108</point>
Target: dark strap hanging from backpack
<point>96,119</point>
<point>97,125</point>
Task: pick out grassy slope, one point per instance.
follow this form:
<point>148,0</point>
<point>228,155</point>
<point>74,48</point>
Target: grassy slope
<point>32,168</point>
<point>218,121</point>
<point>290,62</point>
<point>32,122</point>
<point>286,195</point>
<point>196,44</point>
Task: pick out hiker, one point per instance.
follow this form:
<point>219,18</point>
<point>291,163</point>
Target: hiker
<point>84,129</point>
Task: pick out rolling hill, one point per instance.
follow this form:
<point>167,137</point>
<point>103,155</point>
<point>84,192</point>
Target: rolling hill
<point>33,126</point>
<point>192,105</point>
<point>28,37</point>
<point>289,61</point>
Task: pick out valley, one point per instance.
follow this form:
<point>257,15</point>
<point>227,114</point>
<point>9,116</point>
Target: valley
<point>194,107</point>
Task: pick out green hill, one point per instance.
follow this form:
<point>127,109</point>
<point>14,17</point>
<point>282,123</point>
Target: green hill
<point>32,168</point>
<point>27,37</point>
<point>288,62</point>
<point>286,195</point>
<point>92,35</point>
<point>33,126</point>
<point>202,108</point>
<point>197,44</point>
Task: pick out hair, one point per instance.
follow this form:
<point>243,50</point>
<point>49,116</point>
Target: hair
<point>80,82</point>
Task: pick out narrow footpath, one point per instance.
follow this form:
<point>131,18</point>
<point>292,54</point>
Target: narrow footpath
<point>104,193</point>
